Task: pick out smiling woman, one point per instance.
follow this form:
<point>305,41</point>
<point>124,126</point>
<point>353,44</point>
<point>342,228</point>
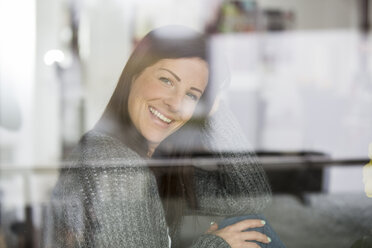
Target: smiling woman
<point>164,96</point>
<point>110,196</point>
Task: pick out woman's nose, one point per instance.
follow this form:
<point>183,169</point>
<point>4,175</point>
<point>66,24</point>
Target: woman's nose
<point>174,102</point>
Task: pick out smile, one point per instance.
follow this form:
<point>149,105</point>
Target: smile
<point>160,116</point>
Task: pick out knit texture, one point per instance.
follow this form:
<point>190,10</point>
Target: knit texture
<point>240,185</point>
<point>108,197</point>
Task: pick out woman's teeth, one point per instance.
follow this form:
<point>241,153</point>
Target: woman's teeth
<point>160,116</point>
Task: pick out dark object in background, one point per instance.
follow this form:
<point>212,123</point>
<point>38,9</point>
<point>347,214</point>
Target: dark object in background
<point>234,17</point>
<point>24,230</point>
<point>295,173</point>
<point>296,179</point>
<point>239,16</point>
<point>277,20</point>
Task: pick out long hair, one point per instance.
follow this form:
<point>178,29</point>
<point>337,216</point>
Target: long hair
<point>175,183</point>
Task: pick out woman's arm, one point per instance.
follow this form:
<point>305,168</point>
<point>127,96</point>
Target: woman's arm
<point>239,185</point>
<point>111,201</point>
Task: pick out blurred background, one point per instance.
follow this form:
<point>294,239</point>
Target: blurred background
<point>300,87</point>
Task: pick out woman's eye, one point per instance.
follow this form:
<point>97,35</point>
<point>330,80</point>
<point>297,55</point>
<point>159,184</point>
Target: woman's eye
<point>166,80</point>
<point>192,96</point>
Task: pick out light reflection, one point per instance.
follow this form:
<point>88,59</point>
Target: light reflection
<point>54,56</point>
<point>367,174</point>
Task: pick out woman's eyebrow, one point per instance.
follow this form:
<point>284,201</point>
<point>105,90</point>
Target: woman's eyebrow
<point>193,88</point>
<point>174,75</point>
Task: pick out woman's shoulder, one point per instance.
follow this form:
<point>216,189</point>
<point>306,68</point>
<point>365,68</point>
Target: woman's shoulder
<point>97,147</point>
<point>98,155</point>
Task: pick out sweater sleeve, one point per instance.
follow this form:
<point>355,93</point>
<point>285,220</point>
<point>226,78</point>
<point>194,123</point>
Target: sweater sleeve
<point>239,185</point>
<point>107,197</point>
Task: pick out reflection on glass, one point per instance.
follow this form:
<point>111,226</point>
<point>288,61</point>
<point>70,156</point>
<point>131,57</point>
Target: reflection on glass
<point>367,174</point>
<point>300,89</point>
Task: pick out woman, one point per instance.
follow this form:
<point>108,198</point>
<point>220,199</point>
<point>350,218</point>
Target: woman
<point>109,196</point>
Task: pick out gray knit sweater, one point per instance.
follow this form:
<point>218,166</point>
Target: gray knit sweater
<point>108,197</point>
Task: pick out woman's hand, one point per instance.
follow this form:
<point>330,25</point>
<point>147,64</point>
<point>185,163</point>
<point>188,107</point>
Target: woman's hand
<point>235,236</point>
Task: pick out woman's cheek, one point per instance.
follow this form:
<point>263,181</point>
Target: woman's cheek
<point>188,110</point>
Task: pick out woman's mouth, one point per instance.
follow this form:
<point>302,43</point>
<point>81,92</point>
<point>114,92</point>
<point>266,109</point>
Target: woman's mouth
<point>159,115</point>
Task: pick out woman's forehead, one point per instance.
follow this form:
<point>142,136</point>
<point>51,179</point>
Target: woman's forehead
<point>183,65</point>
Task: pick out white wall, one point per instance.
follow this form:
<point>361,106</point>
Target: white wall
<point>313,90</point>
<point>17,54</point>
<point>50,19</point>
<point>106,31</point>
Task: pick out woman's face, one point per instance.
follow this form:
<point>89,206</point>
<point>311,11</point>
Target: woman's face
<point>164,96</point>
